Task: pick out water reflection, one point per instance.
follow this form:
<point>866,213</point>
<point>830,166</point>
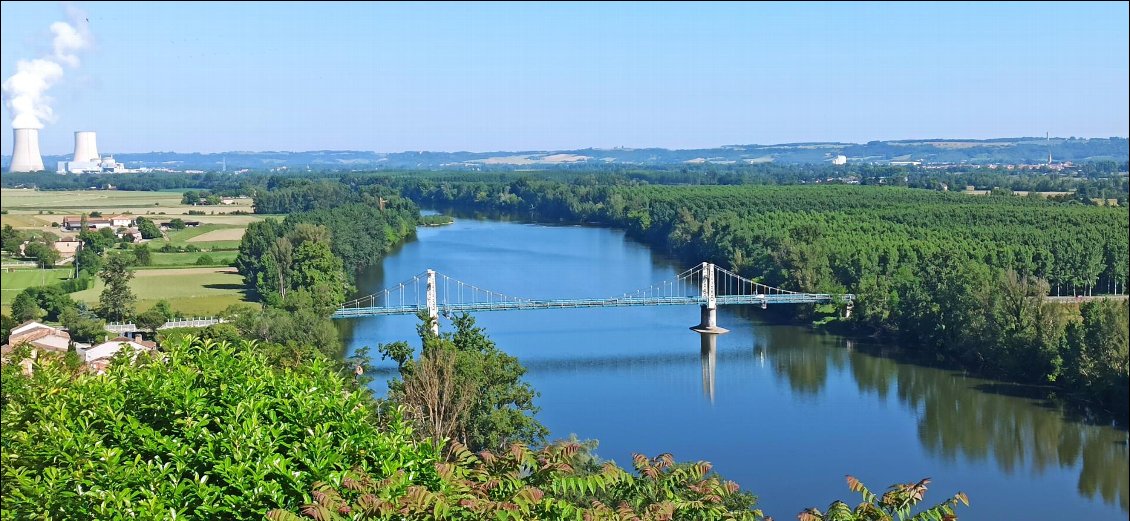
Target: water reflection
<point>965,418</point>
<point>610,373</point>
<point>708,356</point>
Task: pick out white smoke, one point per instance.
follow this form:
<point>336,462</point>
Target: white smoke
<point>25,92</point>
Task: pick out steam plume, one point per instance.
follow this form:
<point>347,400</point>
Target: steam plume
<point>25,92</point>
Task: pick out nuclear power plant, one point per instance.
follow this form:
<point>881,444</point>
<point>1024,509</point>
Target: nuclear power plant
<point>86,147</point>
<point>25,151</point>
<point>86,159</point>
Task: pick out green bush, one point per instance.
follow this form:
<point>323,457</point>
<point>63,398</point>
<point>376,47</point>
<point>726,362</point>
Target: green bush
<point>205,430</point>
<point>556,482</point>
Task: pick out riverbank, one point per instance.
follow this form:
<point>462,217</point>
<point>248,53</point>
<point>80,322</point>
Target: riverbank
<point>951,274</point>
<point>638,380</point>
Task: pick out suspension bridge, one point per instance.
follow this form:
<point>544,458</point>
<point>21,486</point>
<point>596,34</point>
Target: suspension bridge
<point>705,285</point>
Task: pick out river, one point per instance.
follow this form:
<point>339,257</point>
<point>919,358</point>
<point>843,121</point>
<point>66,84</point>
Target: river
<point>784,411</point>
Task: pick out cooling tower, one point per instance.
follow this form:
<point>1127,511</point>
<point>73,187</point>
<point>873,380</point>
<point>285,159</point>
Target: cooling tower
<point>25,151</point>
<point>86,147</point>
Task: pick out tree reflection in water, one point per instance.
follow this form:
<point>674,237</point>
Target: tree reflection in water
<point>965,417</point>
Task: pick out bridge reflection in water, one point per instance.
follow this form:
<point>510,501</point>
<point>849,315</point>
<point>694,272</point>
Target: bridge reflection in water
<point>709,357</point>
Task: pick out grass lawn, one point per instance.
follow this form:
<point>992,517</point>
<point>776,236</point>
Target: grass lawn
<point>205,237</point>
<point>189,258</point>
<point>13,282</point>
<point>182,237</point>
<point>192,291</point>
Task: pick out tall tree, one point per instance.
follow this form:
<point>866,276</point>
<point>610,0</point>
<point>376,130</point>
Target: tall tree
<point>464,387</point>
<point>117,300</point>
<point>142,256</point>
<point>24,307</point>
<point>83,325</point>
<point>11,239</point>
<point>148,229</point>
<point>45,255</point>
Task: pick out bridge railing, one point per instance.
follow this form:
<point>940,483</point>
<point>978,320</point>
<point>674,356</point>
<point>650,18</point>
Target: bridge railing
<point>129,327</point>
<point>435,292</point>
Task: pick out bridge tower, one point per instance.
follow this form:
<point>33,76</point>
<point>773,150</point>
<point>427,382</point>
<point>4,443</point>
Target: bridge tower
<point>433,308</point>
<point>709,311</point>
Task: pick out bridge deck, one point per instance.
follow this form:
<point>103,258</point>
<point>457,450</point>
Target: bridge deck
<point>411,309</point>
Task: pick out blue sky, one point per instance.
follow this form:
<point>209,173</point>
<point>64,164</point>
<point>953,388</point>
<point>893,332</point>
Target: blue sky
<point>210,77</point>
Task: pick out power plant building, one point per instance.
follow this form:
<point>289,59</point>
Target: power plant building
<point>25,151</point>
<point>106,165</point>
<point>86,159</point>
<point>86,147</point>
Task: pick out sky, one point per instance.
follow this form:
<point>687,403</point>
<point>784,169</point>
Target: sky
<point>392,77</point>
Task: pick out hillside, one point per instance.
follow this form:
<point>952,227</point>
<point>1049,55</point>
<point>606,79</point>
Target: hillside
<point>1029,150</point>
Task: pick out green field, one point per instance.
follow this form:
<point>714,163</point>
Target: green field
<point>189,258</point>
<point>26,199</point>
<point>230,237</point>
<point>181,237</point>
<point>192,291</point>
<point>28,220</point>
<point>13,282</point>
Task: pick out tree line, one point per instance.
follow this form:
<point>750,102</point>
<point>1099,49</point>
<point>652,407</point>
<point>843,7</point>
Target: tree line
<point>1099,178</point>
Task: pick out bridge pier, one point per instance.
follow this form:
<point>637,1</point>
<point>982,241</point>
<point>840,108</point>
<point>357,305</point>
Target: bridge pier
<point>708,323</point>
<point>433,308</point>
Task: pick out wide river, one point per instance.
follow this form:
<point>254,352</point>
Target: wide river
<point>785,411</point>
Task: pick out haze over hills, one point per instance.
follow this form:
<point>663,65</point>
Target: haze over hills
<point>1023,150</point>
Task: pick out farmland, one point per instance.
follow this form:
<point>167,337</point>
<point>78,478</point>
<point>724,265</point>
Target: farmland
<point>172,275</point>
<point>220,228</point>
<point>37,209</point>
<point>192,291</point>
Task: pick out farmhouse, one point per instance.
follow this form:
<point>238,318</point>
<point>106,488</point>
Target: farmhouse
<point>40,336</point>
<point>68,247</point>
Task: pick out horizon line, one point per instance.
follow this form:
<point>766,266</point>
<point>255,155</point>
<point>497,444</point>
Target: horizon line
<point>545,150</point>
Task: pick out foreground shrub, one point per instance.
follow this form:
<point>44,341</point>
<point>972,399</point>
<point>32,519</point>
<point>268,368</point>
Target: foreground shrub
<point>206,430</point>
<point>897,503</point>
<point>557,482</point>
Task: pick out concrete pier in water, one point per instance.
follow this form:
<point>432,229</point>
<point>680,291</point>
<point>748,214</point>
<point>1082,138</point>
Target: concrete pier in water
<point>709,311</point>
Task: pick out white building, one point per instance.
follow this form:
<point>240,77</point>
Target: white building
<point>107,165</point>
<point>108,349</point>
<point>839,160</point>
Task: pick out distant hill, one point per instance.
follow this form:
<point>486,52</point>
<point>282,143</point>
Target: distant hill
<point>1005,150</point>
